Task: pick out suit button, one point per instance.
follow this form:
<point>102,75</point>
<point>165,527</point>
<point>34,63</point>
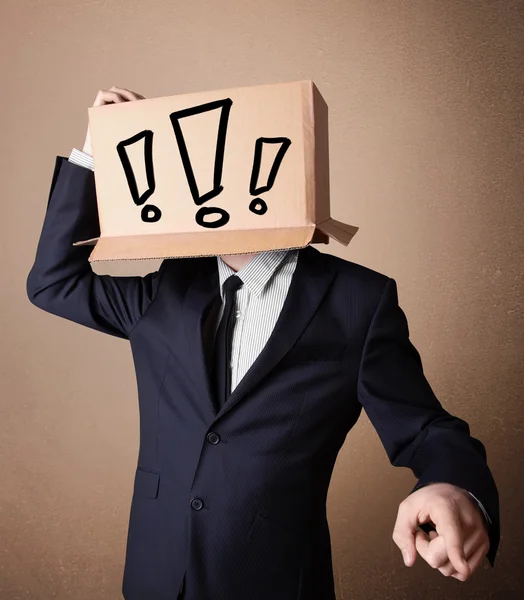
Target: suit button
<point>213,438</point>
<point>196,503</point>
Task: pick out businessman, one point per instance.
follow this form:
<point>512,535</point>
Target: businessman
<point>251,370</point>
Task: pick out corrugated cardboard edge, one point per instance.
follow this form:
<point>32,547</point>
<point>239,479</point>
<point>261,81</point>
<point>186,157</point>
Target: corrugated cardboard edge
<point>321,154</point>
<point>185,245</point>
<point>330,227</point>
<point>308,149</point>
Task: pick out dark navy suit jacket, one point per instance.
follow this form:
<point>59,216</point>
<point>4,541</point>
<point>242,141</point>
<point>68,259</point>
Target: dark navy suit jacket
<point>236,500</point>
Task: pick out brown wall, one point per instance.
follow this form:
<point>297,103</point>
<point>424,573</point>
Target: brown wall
<point>426,153</point>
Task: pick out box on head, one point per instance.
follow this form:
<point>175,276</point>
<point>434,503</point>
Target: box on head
<point>223,172</point>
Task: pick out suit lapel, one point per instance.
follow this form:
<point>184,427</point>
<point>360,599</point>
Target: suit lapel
<point>309,285</point>
<point>200,294</point>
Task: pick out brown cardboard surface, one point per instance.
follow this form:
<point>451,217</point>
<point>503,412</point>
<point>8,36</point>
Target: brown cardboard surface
<point>178,245</point>
<point>222,172</point>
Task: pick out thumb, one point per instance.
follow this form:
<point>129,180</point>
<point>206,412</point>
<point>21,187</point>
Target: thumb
<point>404,537</point>
<point>409,553</point>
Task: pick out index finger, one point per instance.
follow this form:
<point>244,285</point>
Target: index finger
<point>127,93</point>
<point>106,97</point>
<point>448,525</point>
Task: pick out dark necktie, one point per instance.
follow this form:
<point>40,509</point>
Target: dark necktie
<point>222,354</point>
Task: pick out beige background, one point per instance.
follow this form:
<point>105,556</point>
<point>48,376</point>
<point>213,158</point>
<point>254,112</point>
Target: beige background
<point>426,154</point>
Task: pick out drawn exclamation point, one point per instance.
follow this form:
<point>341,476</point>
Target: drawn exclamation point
<point>149,213</point>
<point>258,205</point>
<point>214,187</point>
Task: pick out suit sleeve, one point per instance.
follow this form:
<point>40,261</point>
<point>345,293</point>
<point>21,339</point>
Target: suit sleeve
<point>414,428</point>
<point>61,280</point>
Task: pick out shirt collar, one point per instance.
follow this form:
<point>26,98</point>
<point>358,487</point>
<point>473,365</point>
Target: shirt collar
<point>258,271</point>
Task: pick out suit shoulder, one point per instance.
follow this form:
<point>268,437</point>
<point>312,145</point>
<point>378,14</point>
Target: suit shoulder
<point>357,273</point>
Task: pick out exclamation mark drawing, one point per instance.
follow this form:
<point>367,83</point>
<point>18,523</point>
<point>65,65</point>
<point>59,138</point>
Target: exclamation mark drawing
<point>150,213</point>
<point>210,179</point>
<point>258,205</point>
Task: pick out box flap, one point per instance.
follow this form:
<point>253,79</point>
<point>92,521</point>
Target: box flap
<point>183,245</point>
<point>89,242</point>
<point>339,231</point>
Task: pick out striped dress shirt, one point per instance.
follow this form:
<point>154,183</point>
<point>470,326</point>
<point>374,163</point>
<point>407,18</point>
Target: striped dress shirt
<point>266,280</point>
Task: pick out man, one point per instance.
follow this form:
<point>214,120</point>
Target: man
<point>251,370</point>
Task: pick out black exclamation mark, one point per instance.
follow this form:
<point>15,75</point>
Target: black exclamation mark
<point>150,213</point>
<point>258,205</point>
<point>214,187</point>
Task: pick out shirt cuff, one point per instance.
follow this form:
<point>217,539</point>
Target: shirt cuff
<point>82,159</point>
<point>481,508</point>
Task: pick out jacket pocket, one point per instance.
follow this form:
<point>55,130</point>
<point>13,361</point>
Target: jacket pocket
<point>275,551</point>
<point>146,483</point>
<point>267,531</point>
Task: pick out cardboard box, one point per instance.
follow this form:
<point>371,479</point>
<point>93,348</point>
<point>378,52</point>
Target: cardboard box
<point>223,172</point>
